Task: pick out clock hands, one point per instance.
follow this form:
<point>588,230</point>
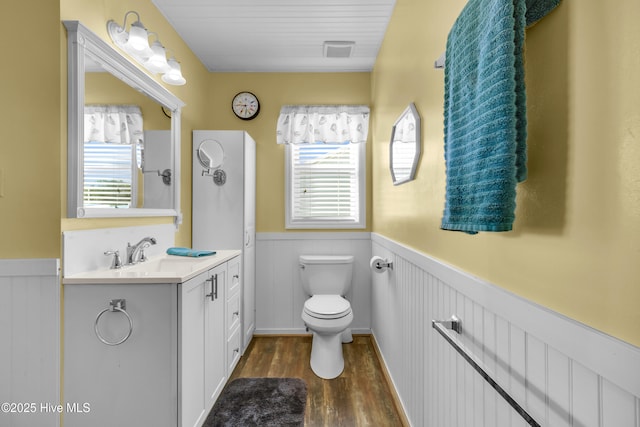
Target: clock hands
<point>244,108</point>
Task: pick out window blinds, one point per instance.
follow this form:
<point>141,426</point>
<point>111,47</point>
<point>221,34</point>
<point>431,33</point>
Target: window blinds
<point>325,182</point>
<point>108,175</point>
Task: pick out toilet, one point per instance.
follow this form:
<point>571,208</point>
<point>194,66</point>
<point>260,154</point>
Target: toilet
<point>327,314</point>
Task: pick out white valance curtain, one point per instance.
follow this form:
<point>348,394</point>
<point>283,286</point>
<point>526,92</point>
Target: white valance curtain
<point>113,124</point>
<point>314,124</point>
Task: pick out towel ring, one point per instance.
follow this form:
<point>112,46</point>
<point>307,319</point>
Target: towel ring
<point>116,305</point>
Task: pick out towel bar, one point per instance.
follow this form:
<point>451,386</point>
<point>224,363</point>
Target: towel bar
<point>454,323</point>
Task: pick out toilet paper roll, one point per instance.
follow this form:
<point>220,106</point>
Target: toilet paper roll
<point>378,264</point>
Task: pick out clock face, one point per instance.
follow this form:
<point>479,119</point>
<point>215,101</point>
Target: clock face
<point>245,105</point>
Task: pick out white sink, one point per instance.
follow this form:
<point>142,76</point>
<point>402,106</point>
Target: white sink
<point>162,269</point>
<point>166,263</point>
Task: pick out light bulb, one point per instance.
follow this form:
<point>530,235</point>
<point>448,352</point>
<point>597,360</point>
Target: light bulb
<point>157,62</point>
<point>138,38</point>
<point>174,75</point>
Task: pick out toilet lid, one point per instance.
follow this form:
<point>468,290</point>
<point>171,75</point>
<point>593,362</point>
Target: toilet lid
<point>327,306</point>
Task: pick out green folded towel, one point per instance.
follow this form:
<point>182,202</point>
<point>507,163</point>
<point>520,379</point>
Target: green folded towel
<point>189,252</point>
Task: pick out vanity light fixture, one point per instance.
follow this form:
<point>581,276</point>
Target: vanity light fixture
<point>174,75</point>
<point>135,42</point>
<point>157,62</point>
<point>138,38</point>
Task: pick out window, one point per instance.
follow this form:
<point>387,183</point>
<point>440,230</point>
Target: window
<point>113,138</point>
<point>108,175</point>
<point>324,164</point>
<point>325,185</point>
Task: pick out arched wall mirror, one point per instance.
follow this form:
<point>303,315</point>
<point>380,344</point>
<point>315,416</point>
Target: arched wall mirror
<point>123,148</point>
<point>404,147</point>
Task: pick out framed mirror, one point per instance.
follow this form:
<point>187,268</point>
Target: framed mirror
<point>123,148</point>
<point>404,147</point>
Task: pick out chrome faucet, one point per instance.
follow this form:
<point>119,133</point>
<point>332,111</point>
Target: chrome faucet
<point>116,263</point>
<point>135,253</point>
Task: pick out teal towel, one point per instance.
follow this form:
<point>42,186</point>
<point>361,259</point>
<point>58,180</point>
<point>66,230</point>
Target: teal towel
<point>485,126</point>
<point>189,252</point>
<point>538,9</point>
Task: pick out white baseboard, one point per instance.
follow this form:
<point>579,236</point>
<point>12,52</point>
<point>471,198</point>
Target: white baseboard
<point>302,331</point>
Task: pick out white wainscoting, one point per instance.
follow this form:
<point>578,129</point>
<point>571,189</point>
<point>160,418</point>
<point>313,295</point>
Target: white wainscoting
<point>30,340</point>
<point>562,372</point>
<point>279,293</point>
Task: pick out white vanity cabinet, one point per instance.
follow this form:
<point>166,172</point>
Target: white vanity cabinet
<point>131,384</point>
<point>234,314</point>
<point>173,366</point>
<point>203,336</point>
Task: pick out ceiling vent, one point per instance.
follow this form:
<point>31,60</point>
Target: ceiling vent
<point>338,49</point>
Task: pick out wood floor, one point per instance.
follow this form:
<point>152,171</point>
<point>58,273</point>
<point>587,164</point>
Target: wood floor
<point>360,396</point>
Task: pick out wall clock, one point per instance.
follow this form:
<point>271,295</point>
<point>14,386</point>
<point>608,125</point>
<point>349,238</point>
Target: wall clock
<point>245,105</point>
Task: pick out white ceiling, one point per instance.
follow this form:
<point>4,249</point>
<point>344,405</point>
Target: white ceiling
<point>279,35</point>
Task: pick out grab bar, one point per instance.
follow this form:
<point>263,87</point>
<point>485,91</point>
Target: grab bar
<point>456,325</point>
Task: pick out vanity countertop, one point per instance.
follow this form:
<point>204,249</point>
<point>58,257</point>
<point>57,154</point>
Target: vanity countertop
<point>161,269</point>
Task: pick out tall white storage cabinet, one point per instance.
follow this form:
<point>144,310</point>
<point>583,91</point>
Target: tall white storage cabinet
<point>224,206</point>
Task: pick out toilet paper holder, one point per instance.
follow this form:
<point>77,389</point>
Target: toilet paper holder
<point>384,264</point>
<point>379,264</point>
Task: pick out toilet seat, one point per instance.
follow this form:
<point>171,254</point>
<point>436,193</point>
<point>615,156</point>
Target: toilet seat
<point>327,307</point>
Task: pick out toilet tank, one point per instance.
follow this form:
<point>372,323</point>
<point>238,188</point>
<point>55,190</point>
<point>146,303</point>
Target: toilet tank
<point>326,274</point>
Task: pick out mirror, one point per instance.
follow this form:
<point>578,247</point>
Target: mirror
<point>117,111</point>
<point>211,156</point>
<point>404,147</point>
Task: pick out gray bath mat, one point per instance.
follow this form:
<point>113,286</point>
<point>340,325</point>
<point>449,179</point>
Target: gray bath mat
<point>260,402</point>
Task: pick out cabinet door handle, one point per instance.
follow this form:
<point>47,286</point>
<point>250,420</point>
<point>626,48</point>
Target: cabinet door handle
<point>212,295</point>
<point>215,287</point>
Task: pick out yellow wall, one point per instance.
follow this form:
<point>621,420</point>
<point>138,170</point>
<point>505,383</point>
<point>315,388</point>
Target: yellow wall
<point>274,90</point>
<point>30,193</point>
<point>575,247</point>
